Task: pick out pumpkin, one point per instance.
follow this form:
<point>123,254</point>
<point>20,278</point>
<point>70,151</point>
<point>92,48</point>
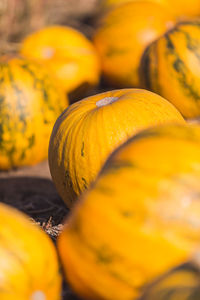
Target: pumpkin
<point>89,130</point>
<point>180,8</point>
<point>140,219</point>
<point>67,53</point>
<point>171,67</point>
<point>123,35</point>
<point>30,102</point>
<point>184,8</point>
<point>29,268</point>
<point>181,283</point>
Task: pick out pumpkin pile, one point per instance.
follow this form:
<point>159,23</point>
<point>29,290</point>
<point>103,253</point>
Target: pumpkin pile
<point>35,84</point>
<point>125,159</point>
<point>123,35</point>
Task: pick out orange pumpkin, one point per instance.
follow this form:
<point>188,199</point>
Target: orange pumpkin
<point>67,53</point>
<point>184,8</point>
<point>29,268</point>
<point>30,102</point>
<point>89,130</point>
<point>123,35</point>
<point>171,67</point>
<point>140,219</point>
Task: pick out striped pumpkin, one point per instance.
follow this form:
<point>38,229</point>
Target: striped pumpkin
<point>123,35</point>
<point>171,67</point>
<point>140,219</point>
<point>29,268</point>
<point>89,130</point>
<point>29,105</point>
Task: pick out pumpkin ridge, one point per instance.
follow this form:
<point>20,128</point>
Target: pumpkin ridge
<point>63,146</point>
<point>181,69</point>
<point>22,116</point>
<point>41,82</point>
<point>26,102</point>
<point>19,92</point>
<point>104,255</point>
<point>178,56</point>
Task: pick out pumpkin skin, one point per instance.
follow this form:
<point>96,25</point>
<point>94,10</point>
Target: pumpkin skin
<point>140,219</point>
<point>29,266</point>
<point>173,61</point>
<point>184,8</point>
<point>180,8</point>
<point>124,34</point>
<point>30,102</point>
<point>89,130</point>
<point>68,54</point>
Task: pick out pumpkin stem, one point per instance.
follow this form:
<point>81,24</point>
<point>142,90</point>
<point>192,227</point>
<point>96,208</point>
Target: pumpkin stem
<point>38,295</point>
<point>106,101</point>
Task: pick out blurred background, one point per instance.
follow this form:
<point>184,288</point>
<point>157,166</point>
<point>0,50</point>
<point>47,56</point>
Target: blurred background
<point>20,17</point>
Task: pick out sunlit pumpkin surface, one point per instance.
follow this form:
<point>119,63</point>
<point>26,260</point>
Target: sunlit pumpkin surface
<point>30,102</point>
<point>89,130</point>
<point>171,67</point>
<point>140,219</point>
<point>123,35</point>
<point>29,267</point>
<point>68,54</point>
<point>181,8</point>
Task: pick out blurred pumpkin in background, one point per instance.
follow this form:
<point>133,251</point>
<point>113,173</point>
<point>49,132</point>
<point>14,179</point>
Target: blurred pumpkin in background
<point>68,55</point>
<point>180,8</point>
<point>30,102</point>
<point>89,130</point>
<point>29,267</point>
<point>171,67</point>
<point>183,8</point>
<point>140,219</point>
<point>110,4</point>
<point>123,35</point>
